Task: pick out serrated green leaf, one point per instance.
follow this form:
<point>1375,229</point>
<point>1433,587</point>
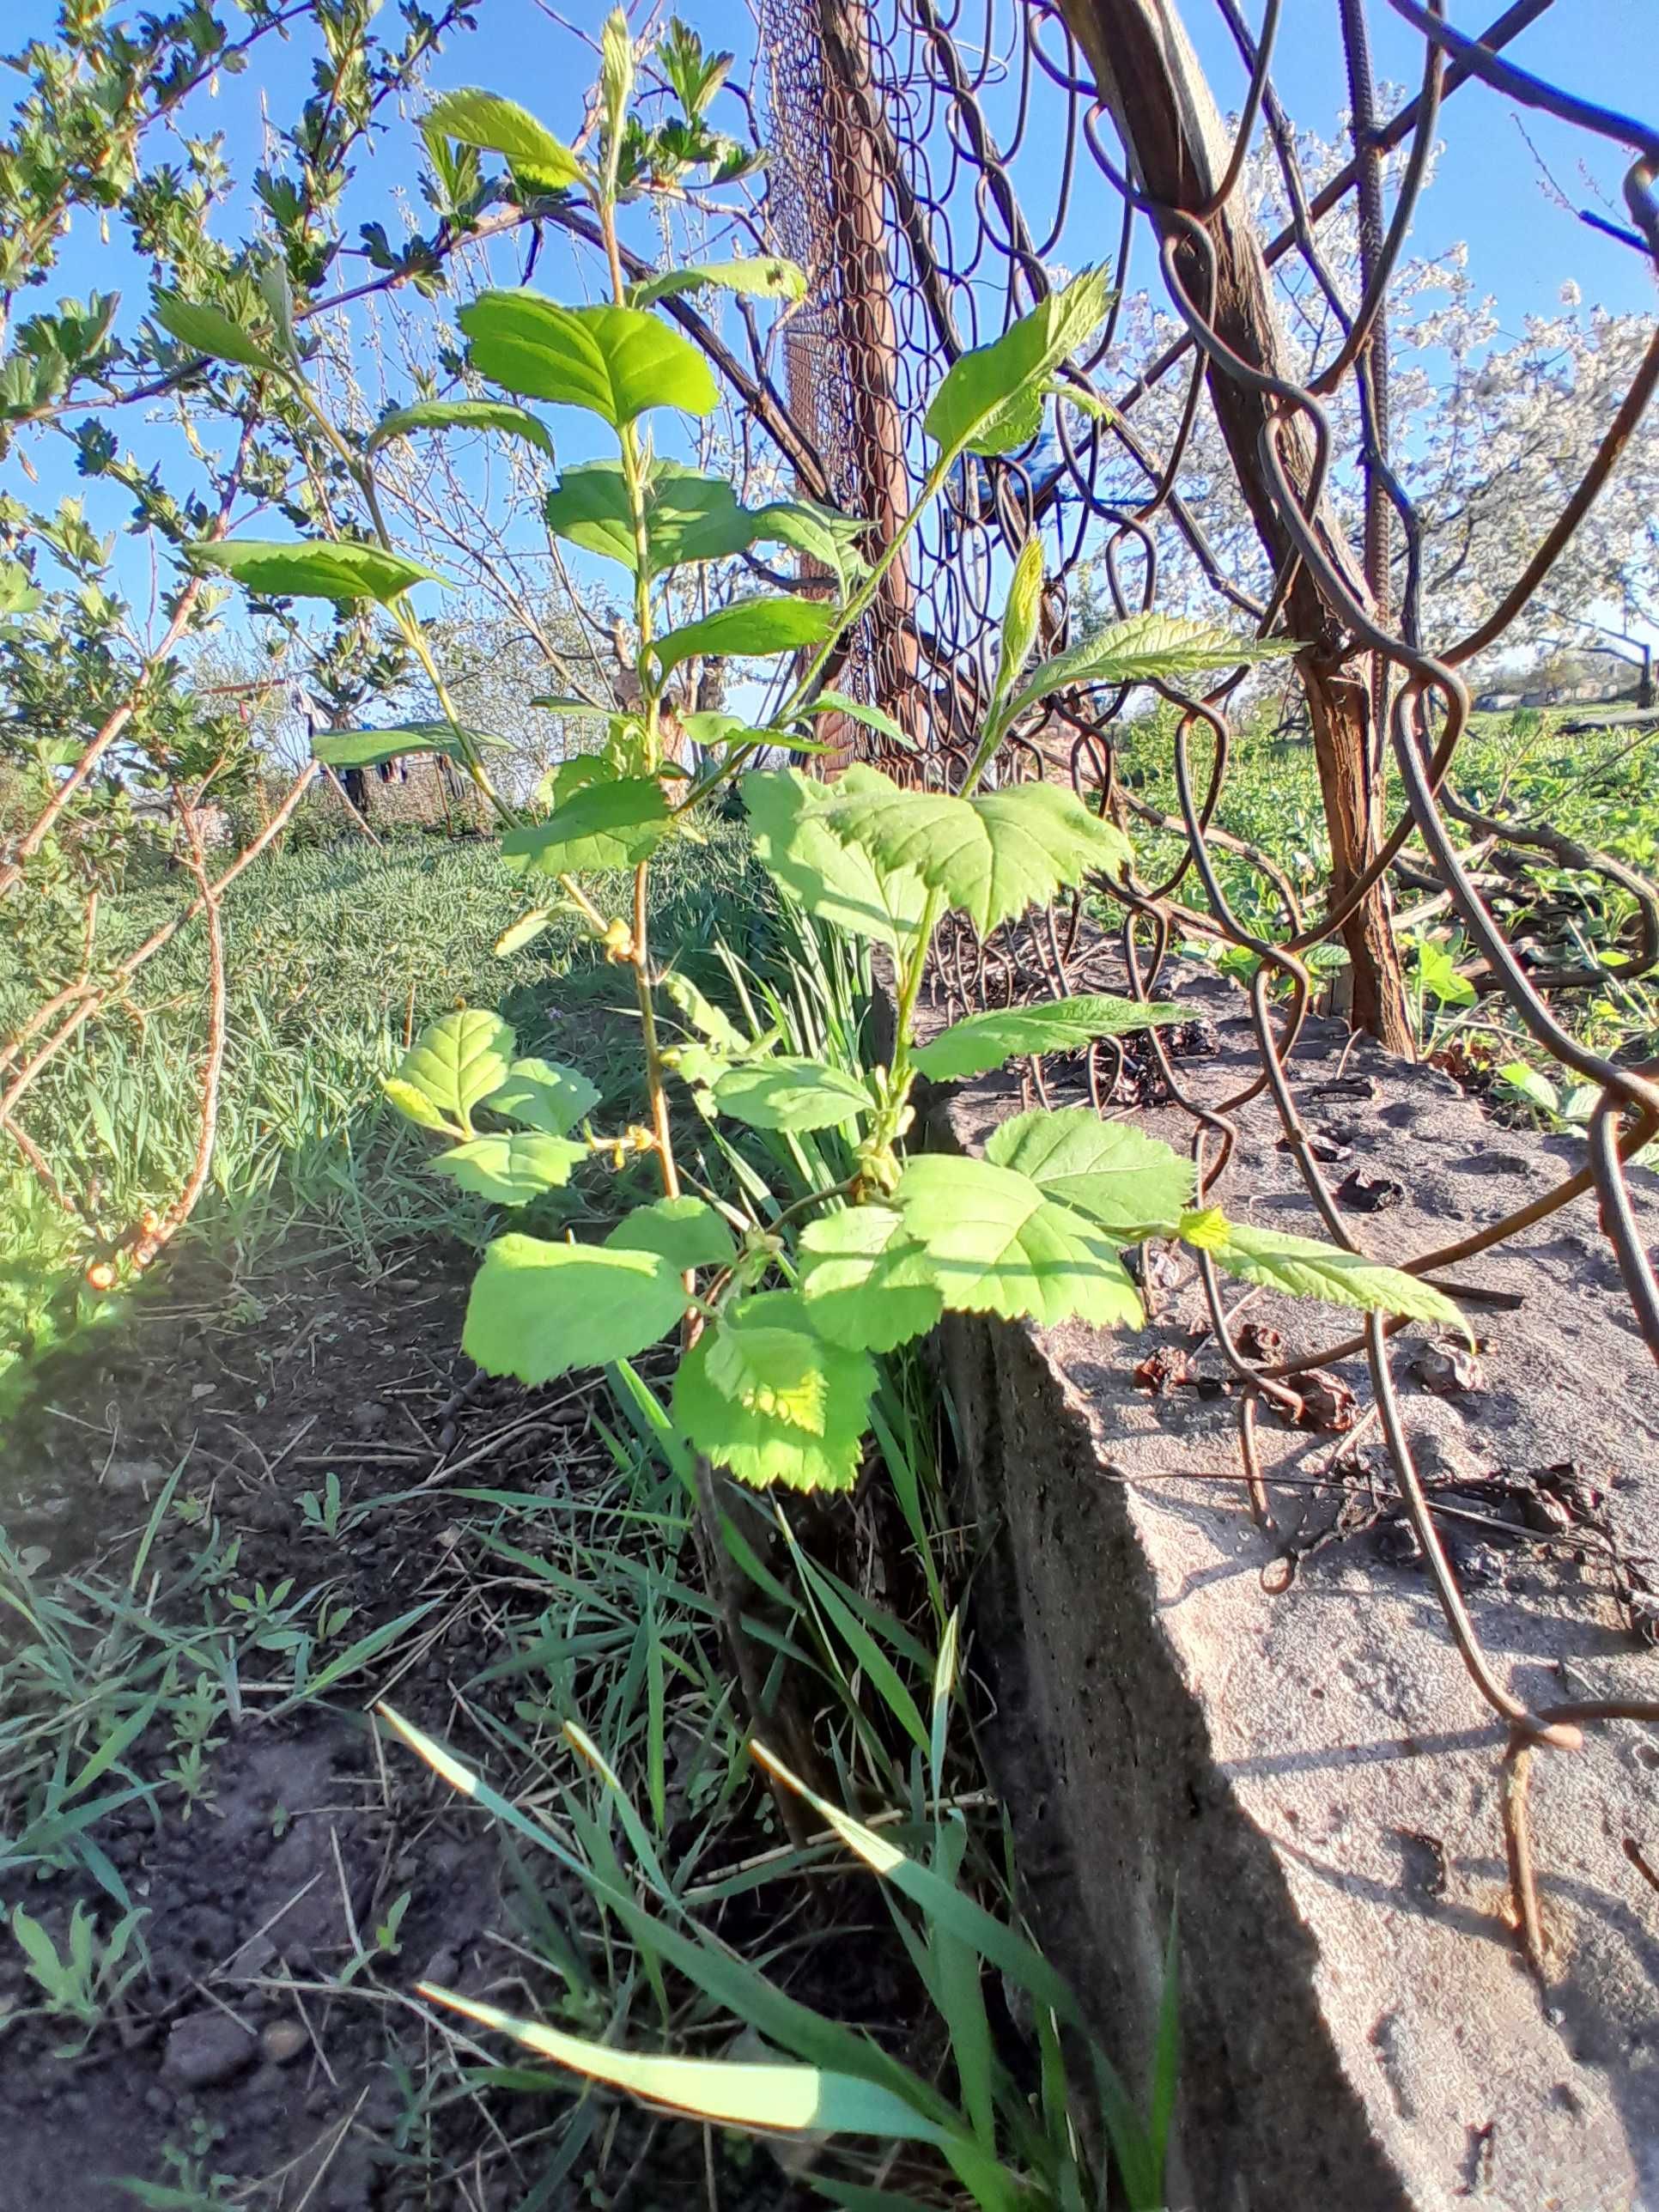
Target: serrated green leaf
<point>685,1231</point>
<point>750,627</point>
<point>1144,646</point>
<point>689,516</point>
<point>796,1095</point>
<point>772,1370</point>
<point>602,825</point>
<point>486,120</point>
<point>462,415</point>
<point>544,1097</point>
<point>312,569</point>
<point>985,1040</point>
<point>614,362</point>
<point>457,1061</point>
<point>991,856</point>
<point>867,1284</point>
<point>412,1102</point>
<point>755,1445</point>
<point>537,1310</point>
<point>1130,1185</point>
<point>511,1170</point>
<point>368,747</point>
<point>996,1245</point>
<point>767,277</point>
<point>839,882</point>
<point>991,398</point>
<point>1309,1270</point>
<point>209,331</point>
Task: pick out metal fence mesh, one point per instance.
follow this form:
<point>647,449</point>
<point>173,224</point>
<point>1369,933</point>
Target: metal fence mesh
<point>937,169</point>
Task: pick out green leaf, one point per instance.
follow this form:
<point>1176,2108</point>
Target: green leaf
<point>706,1018</point>
<point>511,1170</point>
<point>985,1040</point>
<point>991,399</point>
<point>543,1097</point>
<point>837,703</point>
<point>768,277</point>
<point>867,1283</point>
<point>759,626</point>
<point>996,1245</point>
<point>991,856</point>
<point>457,1061</point>
<point>1533,1086</point>
<point>615,362</point>
<point>208,330</point>
<point>1145,646</point>
<point>462,415</point>
<point>1020,615</point>
<point>1309,1270</point>
<point>537,159</point>
<point>822,534</point>
<point>368,747</point>
<point>313,569</point>
<point>1437,975</point>
<point>689,516</point>
<point>791,1094</point>
<point>840,884</point>
<point>537,1310</point>
<point>774,1370</point>
<point>1130,1185</point>
<point>754,1443</point>
<point>524,931</point>
<point>687,1232</point>
<point>778,2097</point>
<point>412,1102</point>
<point>603,825</point>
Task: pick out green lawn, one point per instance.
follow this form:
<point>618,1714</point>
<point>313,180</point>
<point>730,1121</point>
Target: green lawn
<point>334,955</point>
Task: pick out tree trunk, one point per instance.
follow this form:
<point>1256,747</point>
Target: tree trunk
<point>1149,77</point>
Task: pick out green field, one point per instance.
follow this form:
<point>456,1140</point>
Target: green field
<point>334,954</point>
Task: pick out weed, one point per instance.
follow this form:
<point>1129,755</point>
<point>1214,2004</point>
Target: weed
<point>82,1983</point>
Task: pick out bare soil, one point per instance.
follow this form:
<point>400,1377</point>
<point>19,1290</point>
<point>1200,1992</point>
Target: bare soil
<point>238,2054</point>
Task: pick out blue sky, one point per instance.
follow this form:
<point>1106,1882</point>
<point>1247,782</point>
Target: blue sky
<point>1487,192</point>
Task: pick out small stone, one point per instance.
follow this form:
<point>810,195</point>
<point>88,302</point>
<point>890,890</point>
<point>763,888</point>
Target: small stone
<point>442,1967</point>
<point>283,2041</point>
<point>208,2048</point>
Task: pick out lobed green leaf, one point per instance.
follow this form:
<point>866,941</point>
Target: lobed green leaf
<point>995,1243</point>
<point>991,856</point>
<point>743,1432</point>
<point>1129,1184</point>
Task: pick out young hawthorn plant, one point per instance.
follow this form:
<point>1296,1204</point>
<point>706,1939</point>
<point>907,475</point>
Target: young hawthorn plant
<point>777,1324</point>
